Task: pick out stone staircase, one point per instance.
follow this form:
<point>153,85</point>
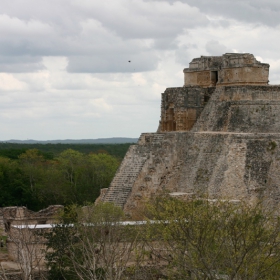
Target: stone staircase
<point>157,138</point>
<point>126,175</point>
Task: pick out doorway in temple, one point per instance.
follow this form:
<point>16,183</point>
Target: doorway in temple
<point>214,77</point>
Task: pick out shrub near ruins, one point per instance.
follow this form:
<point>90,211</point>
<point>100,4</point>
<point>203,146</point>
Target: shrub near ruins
<point>90,243</point>
<point>202,239</point>
<point>196,239</point>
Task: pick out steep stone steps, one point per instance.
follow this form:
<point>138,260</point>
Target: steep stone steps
<point>126,175</point>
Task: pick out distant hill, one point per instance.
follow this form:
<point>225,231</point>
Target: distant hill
<point>113,140</point>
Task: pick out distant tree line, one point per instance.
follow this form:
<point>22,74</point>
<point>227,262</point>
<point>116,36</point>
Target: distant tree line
<point>50,151</point>
<point>38,178</point>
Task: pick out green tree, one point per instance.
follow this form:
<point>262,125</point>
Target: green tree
<point>102,168</point>
<point>12,184</point>
<point>94,246</point>
<point>38,172</point>
<point>202,239</point>
<point>72,166</point>
<point>37,182</point>
<point>85,175</point>
<point>31,162</point>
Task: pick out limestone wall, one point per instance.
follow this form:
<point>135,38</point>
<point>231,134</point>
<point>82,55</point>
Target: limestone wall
<point>181,107</point>
<point>247,75</point>
<point>229,69</point>
<point>252,109</point>
<point>201,78</point>
<point>20,215</point>
<point>219,165</point>
<point>25,247</point>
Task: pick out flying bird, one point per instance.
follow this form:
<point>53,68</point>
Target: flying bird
<point>129,61</point>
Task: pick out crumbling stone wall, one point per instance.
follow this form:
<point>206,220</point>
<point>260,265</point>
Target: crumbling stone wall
<point>20,215</point>
<point>20,238</point>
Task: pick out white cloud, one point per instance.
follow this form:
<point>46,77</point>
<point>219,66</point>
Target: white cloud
<point>9,83</point>
<point>65,70</point>
<point>139,19</point>
<point>12,26</point>
<point>265,12</point>
<point>95,36</point>
<point>213,47</point>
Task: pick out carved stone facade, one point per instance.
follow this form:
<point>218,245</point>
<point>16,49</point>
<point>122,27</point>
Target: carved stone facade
<point>222,141</point>
<point>229,69</point>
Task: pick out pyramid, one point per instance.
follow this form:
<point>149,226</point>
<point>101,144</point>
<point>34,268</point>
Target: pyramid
<point>218,135</point>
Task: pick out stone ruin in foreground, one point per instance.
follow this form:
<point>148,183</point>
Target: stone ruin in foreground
<point>219,135</point>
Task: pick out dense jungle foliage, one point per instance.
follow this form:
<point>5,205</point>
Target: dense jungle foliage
<point>56,174</point>
<point>50,151</point>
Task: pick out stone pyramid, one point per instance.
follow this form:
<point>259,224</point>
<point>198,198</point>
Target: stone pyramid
<point>219,135</point>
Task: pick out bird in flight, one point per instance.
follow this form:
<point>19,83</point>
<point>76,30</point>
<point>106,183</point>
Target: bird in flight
<point>129,61</point>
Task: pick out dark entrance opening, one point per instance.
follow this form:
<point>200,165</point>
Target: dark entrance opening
<point>214,77</point>
<point>172,123</point>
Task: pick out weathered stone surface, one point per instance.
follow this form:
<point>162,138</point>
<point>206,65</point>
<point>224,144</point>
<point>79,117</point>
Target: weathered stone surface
<point>181,107</point>
<point>229,69</point>
<point>126,175</point>
<point>22,242</point>
<point>242,109</point>
<point>20,215</point>
<point>229,148</point>
<point>218,164</point>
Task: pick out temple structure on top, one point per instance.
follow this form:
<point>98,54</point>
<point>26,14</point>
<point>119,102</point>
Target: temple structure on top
<point>226,70</point>
<point>181,107</point>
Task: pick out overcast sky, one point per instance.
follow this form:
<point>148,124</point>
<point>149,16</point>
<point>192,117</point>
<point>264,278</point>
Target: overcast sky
<point>65,70</point>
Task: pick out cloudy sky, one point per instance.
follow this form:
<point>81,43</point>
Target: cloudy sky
<point>64,70</point>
